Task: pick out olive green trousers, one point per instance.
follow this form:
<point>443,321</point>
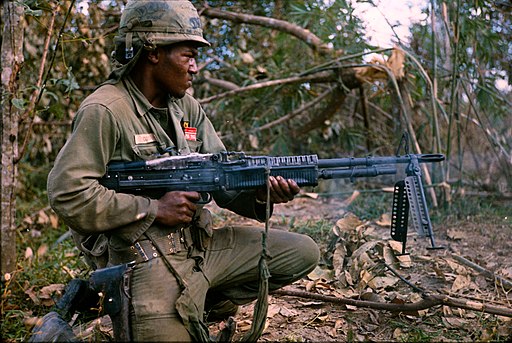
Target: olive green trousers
<point>163,312</point>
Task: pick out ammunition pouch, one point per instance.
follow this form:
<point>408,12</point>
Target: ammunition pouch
<point>94,247</point>
<point>202,229</point>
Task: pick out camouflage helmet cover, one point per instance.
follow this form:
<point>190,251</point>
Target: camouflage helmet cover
<point>159,22</point>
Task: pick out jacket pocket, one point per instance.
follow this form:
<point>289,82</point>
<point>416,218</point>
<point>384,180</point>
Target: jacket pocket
<point>147,151</point>
<point>95,249</point>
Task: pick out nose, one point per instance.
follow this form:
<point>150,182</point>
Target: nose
<point>193,69</point>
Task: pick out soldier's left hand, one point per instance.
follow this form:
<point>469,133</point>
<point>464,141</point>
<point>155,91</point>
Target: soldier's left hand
<point>281,190</point>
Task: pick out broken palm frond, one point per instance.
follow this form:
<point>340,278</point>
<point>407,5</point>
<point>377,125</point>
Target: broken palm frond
<point>374,71</point>
<point>427,302</point>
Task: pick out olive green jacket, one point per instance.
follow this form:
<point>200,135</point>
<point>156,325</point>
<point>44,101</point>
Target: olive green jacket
<point>117,123</point>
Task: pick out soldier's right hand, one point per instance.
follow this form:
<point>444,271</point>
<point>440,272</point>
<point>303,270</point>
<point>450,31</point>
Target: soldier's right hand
<point>177,207</point>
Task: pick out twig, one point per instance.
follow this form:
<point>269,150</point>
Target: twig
<point>42,86</point>
<point>38,90</point>
<point>472,297</point>
<point>295,113</point>
<point>410,284</point>
<point>427,302</point>
<point>500,280</point>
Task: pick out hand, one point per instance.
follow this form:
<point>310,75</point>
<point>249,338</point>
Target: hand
<point>177,207</point>
<point>281,190</point>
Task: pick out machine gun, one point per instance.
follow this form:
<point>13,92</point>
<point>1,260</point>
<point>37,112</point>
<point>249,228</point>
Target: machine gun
<point>206,173</point>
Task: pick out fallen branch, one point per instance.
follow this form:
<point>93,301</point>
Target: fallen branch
<point>487,273</point>
<point>427,302</point>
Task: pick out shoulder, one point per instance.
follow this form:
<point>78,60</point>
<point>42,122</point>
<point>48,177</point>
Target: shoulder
<point>107,95</point>
<point>112,100</point>
<point>107,104</point>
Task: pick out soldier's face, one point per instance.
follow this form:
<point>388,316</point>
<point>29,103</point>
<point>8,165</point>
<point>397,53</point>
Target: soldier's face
<point>177,67</point>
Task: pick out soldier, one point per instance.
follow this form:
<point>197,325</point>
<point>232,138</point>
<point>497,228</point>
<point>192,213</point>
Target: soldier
<point>184,268</point>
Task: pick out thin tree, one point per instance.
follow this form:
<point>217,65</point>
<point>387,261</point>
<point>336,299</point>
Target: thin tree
<point>11,63</point>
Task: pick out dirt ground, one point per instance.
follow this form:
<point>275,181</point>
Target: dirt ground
<point>473,269</point>
<point>353,267</point>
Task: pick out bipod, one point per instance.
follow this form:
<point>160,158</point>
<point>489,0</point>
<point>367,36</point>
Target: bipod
<point>409,199</point>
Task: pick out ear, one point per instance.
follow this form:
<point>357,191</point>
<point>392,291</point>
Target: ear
<point>154,55</point>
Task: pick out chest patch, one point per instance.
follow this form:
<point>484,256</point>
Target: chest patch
<point>145,138</point>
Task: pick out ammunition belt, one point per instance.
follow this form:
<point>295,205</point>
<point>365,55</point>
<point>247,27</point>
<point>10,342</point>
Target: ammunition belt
<point>143,250</point>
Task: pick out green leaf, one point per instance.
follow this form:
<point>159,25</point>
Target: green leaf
<point>33,13</point>
<point>52,95</point>
<point>19,103</point>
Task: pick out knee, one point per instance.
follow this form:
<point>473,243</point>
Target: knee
<point>309,251</point>
<point>303,257</point>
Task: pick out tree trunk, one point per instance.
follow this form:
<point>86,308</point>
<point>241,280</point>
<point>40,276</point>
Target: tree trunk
<point>11,62</point>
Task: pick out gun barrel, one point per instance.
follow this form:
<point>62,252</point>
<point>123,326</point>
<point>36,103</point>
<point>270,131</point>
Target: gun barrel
<point>370,171</point>
<point>350,162</point>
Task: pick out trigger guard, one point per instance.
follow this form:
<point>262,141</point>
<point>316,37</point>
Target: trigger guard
<point>205,198</point>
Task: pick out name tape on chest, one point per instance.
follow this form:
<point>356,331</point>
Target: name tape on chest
<point>145,138</point>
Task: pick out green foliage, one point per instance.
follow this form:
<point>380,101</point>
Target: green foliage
<point>44,258</point>
<point>320,230</point>
<point>74,64</point>
<point>477,209</point>
<point>248,54</point>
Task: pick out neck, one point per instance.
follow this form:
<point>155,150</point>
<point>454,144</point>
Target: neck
<point>142,79</point>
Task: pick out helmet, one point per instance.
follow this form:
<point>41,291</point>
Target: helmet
<point>150,23</point>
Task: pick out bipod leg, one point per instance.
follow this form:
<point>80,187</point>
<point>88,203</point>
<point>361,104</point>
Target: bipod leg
<point>400,215</point>
<point>419,210</point>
